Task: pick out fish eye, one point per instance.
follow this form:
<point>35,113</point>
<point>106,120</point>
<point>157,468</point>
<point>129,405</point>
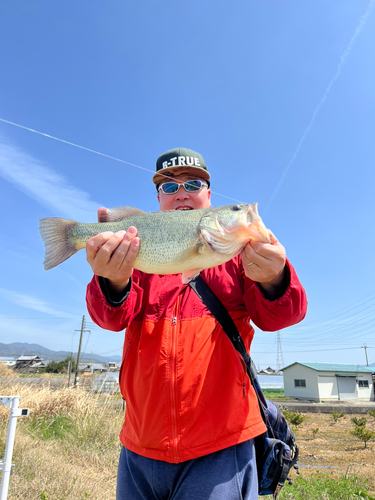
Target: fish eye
<point>235,208</point>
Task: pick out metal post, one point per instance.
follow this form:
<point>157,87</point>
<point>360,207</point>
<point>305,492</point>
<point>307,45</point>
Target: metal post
<point>11,402</point>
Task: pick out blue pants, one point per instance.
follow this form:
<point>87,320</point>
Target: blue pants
<point>228,474</point>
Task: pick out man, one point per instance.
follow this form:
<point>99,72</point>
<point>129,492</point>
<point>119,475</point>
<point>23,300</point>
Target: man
<point>191,412</point>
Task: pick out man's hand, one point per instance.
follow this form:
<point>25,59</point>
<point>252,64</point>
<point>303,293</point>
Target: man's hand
<point>265,264</point>
<point>112,255</point>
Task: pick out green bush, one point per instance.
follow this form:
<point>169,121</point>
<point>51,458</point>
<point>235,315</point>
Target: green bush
<point>371,413</point>
<point>60,366</point>
<point>359,422</point>
<point>293,418</point>
<point>363,434</point>
<point>336,415</point>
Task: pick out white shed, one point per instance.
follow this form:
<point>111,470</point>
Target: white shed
<point>329,381</point>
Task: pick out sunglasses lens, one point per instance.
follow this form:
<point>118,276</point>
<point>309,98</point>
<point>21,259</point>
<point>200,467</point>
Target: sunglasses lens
<point>190,186</point>
<point>169,187</point>
<point>193,185</point>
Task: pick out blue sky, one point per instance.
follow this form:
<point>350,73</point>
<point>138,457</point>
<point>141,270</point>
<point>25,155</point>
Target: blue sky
<point>279,99</point>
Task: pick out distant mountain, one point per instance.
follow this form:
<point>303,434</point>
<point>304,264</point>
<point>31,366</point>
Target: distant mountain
<point>16,349</point>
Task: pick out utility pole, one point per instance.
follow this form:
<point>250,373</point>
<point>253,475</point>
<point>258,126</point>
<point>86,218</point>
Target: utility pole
<point>279,359</point>
<point>365,348</point>
<point>70,368</point>
<point>76,378</point>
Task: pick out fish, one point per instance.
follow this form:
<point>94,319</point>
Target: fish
<point>171,242</point>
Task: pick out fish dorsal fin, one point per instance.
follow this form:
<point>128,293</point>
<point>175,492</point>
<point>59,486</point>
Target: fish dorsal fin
<point>118,213</point>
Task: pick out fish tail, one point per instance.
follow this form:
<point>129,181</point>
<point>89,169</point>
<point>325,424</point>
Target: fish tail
<point>57,244</point>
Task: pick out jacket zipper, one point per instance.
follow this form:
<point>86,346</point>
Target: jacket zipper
<point>173,384</point>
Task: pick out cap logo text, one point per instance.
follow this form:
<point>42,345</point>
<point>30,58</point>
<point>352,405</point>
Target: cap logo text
<point>182,161</point>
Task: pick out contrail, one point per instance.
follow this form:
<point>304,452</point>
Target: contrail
<point>343,58</point>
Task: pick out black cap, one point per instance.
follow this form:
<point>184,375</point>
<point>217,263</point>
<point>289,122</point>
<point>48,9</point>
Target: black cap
<point>180,161</point>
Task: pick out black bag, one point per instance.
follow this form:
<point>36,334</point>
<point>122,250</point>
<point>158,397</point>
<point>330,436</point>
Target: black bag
<point>276,449</point>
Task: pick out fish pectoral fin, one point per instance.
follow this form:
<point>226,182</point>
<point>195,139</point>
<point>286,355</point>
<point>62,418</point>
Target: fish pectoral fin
<point>119,213</point>
<point>189,253</point>
<point>187,276</point>
<point>220,244</point>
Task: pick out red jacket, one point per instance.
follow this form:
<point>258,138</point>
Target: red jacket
<point>186,388</point>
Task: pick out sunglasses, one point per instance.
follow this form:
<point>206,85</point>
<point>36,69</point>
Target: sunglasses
<point>189,186</point>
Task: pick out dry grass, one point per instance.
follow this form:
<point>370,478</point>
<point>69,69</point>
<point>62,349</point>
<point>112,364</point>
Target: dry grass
<point>7,372</point>
<point>42,402</point>
<point>67,448</point>
<point>334,449</point>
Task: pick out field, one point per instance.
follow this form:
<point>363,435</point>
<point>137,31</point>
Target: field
<point>68,448</point>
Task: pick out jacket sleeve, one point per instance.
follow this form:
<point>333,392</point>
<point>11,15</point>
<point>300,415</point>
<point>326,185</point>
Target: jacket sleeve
<point>108,314</point>
<point>273,315</point>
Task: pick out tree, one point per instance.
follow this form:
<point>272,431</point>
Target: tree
<point>294,418</point>
<point>363,434</point>
<point>60,366</point>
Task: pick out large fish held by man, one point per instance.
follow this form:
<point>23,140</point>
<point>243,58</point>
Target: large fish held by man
<point>171,242</point>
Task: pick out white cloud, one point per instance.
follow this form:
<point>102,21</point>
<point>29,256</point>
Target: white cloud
<point>31,302</point>
<point>48,188</point>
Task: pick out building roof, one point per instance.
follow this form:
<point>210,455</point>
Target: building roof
<point>94,366</point>
<point>334,367</point>
<point>28,358</point>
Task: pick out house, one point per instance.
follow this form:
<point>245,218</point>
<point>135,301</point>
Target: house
<point>267,371</point>
<point>90,368</point>
<point>29,364</point>
<point>329,381</point>
<point>112,366</point>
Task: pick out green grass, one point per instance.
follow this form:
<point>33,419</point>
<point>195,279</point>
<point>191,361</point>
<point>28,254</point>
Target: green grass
<point>275,395</point>
<point>57,427</point>
<point>323,486</point>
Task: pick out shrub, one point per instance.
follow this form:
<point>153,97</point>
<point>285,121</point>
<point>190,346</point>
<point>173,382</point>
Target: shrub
<point>371,413</point>
<point>293,418</point>
<point>59,366</point>
<point>336,415</point>
<point>363,434</point>
<point>359,422</point>
<point>315,432</point>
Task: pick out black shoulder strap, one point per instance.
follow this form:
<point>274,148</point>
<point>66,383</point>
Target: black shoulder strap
<point>218,310</point>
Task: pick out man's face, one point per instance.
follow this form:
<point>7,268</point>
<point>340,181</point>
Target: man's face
<point>182,200</point>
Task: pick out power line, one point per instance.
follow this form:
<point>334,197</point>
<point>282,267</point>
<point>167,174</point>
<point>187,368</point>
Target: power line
<point>97,152</point>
